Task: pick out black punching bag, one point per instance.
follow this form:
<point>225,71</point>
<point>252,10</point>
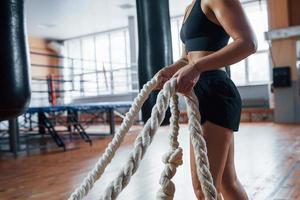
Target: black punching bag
<point>155,45</point>
<point>14,74</point>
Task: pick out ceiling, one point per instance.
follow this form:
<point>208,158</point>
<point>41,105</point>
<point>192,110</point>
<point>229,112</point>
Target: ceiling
<point>63,19</point>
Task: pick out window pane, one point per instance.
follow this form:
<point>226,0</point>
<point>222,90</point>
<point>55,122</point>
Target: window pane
<point>89,77</point>
<point>74,52</point>
<point>103,63</point>
<point>104,82</point>
<point>128,64</point>
<point>88,54</point>
<point>120,79</point>
<point>118,61</point>
<point>238,73</point>
<point>258,17</point>
<point>102,48</point>
<point>180,21</point>
<point>127,44</point>
<point>118,49</point>
<point>175,40</point>
<point>259,68</point>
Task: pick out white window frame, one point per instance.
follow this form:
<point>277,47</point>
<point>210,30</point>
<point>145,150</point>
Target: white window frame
<point>125,31</point>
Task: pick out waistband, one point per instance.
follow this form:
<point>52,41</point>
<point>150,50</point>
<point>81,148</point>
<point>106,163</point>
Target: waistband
<point>214,73</point>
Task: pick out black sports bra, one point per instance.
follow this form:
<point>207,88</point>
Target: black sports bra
<point>198,33</point>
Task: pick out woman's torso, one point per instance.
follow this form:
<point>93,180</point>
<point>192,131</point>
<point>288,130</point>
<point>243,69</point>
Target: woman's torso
<point>201,32</point>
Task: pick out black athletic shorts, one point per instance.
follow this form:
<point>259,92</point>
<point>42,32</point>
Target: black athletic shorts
<point>219,99</point>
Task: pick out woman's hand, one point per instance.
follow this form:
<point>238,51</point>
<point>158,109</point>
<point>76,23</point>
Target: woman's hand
<point>164,75</point>
<point>186,78</point>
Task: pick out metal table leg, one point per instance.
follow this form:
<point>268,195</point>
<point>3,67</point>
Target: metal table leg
<point>111,121</point>
<point>14,136</point>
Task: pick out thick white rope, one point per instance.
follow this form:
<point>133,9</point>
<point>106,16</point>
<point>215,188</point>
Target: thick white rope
<point>144,140</point>
<point>173,158</point>
<point>200,150</point>
<point>112,147</point>
<point>141,143</point>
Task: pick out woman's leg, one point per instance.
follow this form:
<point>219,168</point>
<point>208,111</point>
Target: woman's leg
<point>231,187</point>
<point>218,140</point>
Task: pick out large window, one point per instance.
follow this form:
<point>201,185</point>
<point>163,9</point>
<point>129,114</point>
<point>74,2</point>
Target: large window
<point>99,64</point>
<point>176,41</point>
<point>256,68</point>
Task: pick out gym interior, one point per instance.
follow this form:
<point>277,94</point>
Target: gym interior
<point>77,100</point>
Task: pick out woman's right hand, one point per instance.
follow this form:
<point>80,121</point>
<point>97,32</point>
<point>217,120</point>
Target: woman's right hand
<point>164,75</point>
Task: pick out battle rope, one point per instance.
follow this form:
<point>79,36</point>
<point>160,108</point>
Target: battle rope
<point>172,159</point>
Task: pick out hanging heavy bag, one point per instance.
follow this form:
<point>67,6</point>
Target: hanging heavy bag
<point>14,60</point>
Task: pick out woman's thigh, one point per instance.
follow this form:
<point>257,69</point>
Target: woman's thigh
<point>229,174</point>
<point>218,140</point>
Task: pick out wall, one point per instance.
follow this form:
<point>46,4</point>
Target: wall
<point>38,45</point>
<point>283,14</point>
<point>294,14</point>
<point>255,95</point>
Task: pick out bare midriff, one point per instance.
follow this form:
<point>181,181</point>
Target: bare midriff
<point>194,56</point>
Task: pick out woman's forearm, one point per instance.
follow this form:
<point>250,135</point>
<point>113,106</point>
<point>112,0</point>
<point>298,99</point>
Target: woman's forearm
<point>178,64</point>
<point>232,53</point>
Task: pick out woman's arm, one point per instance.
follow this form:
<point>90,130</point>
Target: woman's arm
<point>232,18</point>
<point>167,72</point>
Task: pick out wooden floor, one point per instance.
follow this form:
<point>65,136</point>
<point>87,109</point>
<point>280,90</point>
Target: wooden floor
<point>267,160</point>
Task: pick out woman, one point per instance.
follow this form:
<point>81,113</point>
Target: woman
<point>205,32</point>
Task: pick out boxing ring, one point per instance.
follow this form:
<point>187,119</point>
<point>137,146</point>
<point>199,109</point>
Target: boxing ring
<point>65,120</point>
<point>59,104</point>
<point>46,124</point>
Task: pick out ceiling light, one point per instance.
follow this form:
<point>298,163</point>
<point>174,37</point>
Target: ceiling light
<point>46,25</point>
<point>126,6</point>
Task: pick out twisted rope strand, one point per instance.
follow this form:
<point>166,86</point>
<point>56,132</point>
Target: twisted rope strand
<point>173,158</point>
<point>141,143</point>
<point>109,152</point>
<point>199,145</point>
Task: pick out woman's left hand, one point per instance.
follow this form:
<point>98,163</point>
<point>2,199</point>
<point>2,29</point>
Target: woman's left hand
<point>187,77</point>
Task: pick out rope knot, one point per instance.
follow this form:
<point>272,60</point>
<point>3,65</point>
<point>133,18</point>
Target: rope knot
<point>173,157</point>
